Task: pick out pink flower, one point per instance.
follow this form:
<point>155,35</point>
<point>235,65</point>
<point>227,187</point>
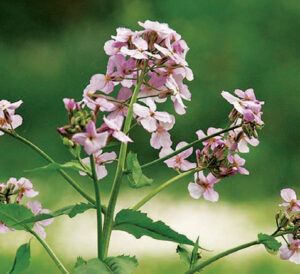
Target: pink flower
<point>178,161</point>
<point>4,228</point>
<point>36,209</point>
<point>121,109</point>
<point>123,35</point>
<point>148,116</point>
<point>115,126</point>
<point>248,108</point>
<point>70,104</point>
<point>290,198</point>
<point>161,137</point>
<point>248,95</point>
<point>180,91</point>
<point>162,29</point>
<point>141,51</point>
<point>101,159</point>
<point>91,140</point>
<point>291,251</point>
<point>237,163</point>
<point>10,107</point>
<point>8,118</point>
<point>204,186</point>
<point>99,103</point>
<point>244,140</point>
<point>213,141</point>
<point>25,188</point>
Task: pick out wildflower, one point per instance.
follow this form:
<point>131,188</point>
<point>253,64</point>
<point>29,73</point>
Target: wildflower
<point>101,159</point>
<point>290,198</point>
<point>148,116</point>
<point>204,186</point>
<point>91,140</point>
<point>114,126</point>
<point>161,137</point>
<point>213,142</point>
<point>179,161</point>
<point>37,209</point>
<point>291,251</point>
<point>237,163</point>
<point>70,104</point>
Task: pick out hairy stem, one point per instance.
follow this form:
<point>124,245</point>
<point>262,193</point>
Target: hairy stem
<point>189,145</point>
<point>230,251</point>
<point>108,220</point>
<point>161,187</point>
<point>98,207</point>
<point>58,263</point>
<point>67,177</point>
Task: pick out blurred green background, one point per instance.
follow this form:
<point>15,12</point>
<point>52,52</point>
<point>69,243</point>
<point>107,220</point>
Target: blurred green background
<point>50,49</point>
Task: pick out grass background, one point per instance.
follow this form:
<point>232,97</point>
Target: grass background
<point>50,49</point>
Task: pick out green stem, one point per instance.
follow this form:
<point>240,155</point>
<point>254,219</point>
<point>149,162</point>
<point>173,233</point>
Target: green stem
<point>98,207</point>
<point>49,251</point>
<point>189,145</point>
<point>108,221</point>
<point>163,186</point>
<point>50,160</point>
<point>228,252</point>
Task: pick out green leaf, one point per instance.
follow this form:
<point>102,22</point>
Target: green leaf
<point>74,165</point>
<point>139,224</point>
<point>71,211</point>
<point>195,255</point>
<point>22,259</point>
<point>111,265</point>
<point>270,243</point>
<point>134,175</point>
<point>80,261</point>
<point>13,214</point>
<point>184,254</point>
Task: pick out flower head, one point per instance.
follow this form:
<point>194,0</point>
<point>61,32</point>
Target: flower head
<point>237,163</point>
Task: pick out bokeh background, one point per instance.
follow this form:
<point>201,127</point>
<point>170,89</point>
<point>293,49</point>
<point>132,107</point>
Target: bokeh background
<point>50,49</point>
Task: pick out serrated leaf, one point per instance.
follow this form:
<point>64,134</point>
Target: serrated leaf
<point>270,243</point>
<point>55,166</point>
<point>184,254</point>
<point>13,214</point>
<point>22,259</point>
<point>111,265</point>
<point>134,175</point>
<point>139,224</point>
<point>71,211</point>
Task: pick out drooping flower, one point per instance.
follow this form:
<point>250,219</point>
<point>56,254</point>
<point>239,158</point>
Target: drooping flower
<point>91,140</point>
<point>101,159</point>
<point>179,161</point>
<point>148,116</point>
<point>237,163</point>
<point>114,126</point>
<point>37,209</point>
<point>204,186</point>
<point>290,198</point>
<point>291,251</point>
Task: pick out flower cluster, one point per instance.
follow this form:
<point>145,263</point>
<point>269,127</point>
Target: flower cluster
<point>8,118</point>
<point>13,191</point>
<point>152,60</point>
<point>289,219</point>
<point>219,154</point>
